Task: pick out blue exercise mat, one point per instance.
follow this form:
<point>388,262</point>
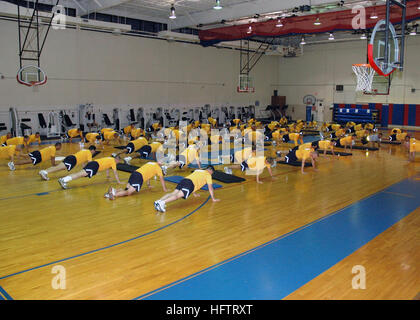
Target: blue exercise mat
<point>177,179</point>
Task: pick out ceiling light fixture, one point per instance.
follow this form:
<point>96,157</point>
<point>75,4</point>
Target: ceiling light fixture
<point>303,41</point>
<point>363,36</point>
<point>172,16</point>
<point>279,24</point>
<point>373,15</point>
<point>249,30</point>
<point>217,6</point>
<point>331,37</point>
<point>317,22</point>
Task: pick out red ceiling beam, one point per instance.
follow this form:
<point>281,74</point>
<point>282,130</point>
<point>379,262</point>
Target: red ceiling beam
<point>330,22</point>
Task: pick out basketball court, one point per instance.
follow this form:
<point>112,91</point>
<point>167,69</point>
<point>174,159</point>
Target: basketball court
<point>347,229</point>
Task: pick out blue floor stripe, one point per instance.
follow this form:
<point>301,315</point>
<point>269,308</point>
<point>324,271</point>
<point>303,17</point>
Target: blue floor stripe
<point>4,294</point>
<point>278,268</point>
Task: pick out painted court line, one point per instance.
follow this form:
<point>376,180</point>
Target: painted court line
<point>4,295</point>
<point>281,266</point>
<point>109,246</point>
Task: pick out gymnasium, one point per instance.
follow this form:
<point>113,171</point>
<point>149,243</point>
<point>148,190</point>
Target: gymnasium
<point>209,150</point>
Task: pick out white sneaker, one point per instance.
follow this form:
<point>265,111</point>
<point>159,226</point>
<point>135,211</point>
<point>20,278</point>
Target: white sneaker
<point>127,160</point>
<point>162,206</point>
<point>44,175</point>
<point>165,170</point>
<point>113,155</point>
<point>156,205</point>
<point>11,166</point>
<point>62,183</point>
<point>106,195</point>
<point>226,169</point>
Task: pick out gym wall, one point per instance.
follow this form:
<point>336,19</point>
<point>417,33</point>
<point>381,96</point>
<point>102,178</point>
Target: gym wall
<point>323,66</point>
<point>105,69</point>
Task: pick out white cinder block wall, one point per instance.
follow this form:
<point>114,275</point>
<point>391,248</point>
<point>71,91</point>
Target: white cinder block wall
<point>104,69</point>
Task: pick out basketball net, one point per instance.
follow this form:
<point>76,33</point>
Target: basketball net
<point>364,73</point>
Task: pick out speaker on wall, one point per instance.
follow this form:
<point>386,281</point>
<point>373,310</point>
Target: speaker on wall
<point>275,93</point>
<point>339,87</point>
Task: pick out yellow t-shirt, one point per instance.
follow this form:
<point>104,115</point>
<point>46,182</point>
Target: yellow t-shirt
<point>200,178</point>
<point>156,126</point>
<point>306,146</point>
<point>136,132</point>
<point>257,163</point>
<point>358,127</point>
<point>340,132</point>
<point>243,155</point>
<point>325,144</point>
<point>91,137</point>
<point>303,154</point>
<point>212,121</point>
<point>294,137</point>
<point>236,121</point>
<point>15,141</point>
<point>138,143</point>
<point>106,129</point>
<point>128,129</point>
<point>109,135</point>
<point>106,163</point>
<point>272,125</point>
<point>414,145</point>
<point>72,133</point>
<point>190,154</point>
<point>361,133</point>
<point>149,170</point>
<point>346,140</point>
<point>155,146</point>
<point>7,152</point>
<point>33,138</point>
<point>47,153</point>
<point>335,127</point>
<point>395,130</point>
<point>83,156</point>
<point>401,136</point>
<point>3,139</point>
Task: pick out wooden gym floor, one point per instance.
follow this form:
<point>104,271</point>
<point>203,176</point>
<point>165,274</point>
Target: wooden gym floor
<point>296,237</point>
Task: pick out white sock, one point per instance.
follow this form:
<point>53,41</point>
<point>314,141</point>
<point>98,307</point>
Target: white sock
<point>67,179</point>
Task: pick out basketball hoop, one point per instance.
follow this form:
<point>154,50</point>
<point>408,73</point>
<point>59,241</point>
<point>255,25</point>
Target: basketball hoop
<point>31,76</point>
<point>245,84</point>
<point>364,73</point>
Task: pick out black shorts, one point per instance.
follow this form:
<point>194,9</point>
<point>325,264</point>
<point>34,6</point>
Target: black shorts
<point>4,144</point>
<point>91,168</point>
<point>130,147</point>
<point>333,135</point>
<point>181,159</point>
<point>145,151</point>
<point>36,157</point>
<point>329,128</point>
<point>136,180</point>
<point>286,138</point>
<point>244,166</point>
<point>70,162</point>
<point>291,156</point>
<point>186,186</point>
<point>338,144</point>
<point>393,137</point>
<point>351,130</point>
